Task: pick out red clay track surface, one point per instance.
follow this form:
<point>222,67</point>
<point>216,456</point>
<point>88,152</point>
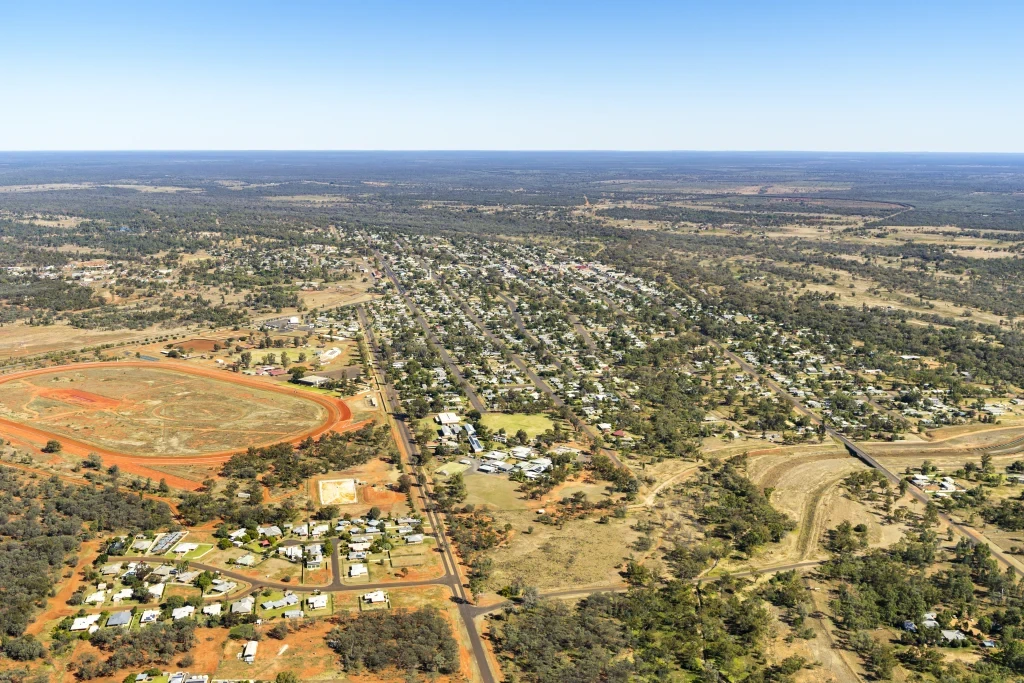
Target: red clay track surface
<point>339,420</point>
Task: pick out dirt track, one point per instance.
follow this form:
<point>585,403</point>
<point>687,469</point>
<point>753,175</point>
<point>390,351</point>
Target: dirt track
<point>338,420</point>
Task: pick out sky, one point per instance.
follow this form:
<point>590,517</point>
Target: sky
<point>491,75</point>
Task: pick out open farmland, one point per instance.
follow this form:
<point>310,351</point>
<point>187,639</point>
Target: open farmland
<point>146,410</point>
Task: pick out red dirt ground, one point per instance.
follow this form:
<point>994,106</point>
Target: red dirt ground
<point>201,345</point>
<point>57,607</point>
<point>339,420</point>
<point>380,496</point>
<point>80,398</point>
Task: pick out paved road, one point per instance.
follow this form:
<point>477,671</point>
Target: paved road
<point>855,450</point>
<point>452,579</point>
<point>589,429</point>
<point>583,332</point>
<point>539,382</point>
<point>336,585</point>
<point>474,399</point>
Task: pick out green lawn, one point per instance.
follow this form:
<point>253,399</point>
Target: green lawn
<point>277,595</point>
<point>494,490</point>
<point>531,424</point>
<point>192,555</point>
<point>451,468</point>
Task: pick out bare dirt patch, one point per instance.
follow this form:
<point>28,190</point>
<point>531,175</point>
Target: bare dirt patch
<point>337,491</point>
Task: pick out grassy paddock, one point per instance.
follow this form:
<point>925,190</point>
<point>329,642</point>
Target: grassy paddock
<point>512,423</point>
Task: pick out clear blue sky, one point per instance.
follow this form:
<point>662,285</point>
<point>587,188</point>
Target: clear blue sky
<point>757,75</point>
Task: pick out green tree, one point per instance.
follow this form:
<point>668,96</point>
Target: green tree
<point>203,582</point>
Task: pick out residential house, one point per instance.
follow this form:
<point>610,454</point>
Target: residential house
<point>119,619</point>
<point>243,606</point>
<point>183,612</point>
<point>292,552</point>
<point>376,597</point>
<point>84,623</point>
<point>287,601</point>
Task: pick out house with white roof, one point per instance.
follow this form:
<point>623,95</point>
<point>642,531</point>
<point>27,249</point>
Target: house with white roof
<point>243,606</point>
<point>83,623</point>
<point>183,612</point>
<point>123,594</point>
<point>292,552</point>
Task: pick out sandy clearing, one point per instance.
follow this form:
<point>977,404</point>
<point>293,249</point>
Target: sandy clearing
<point>337,491</point>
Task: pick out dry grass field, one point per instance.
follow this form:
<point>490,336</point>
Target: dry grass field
<point>154,411</point>
<point>806,484</point>
<point>19,339</point>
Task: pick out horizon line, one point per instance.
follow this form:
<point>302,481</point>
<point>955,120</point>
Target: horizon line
<point>498,151</point>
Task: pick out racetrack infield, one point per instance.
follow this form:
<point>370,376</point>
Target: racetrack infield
<point>137,414</point>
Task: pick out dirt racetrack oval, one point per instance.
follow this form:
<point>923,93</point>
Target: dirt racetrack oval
<point>71,408</point>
